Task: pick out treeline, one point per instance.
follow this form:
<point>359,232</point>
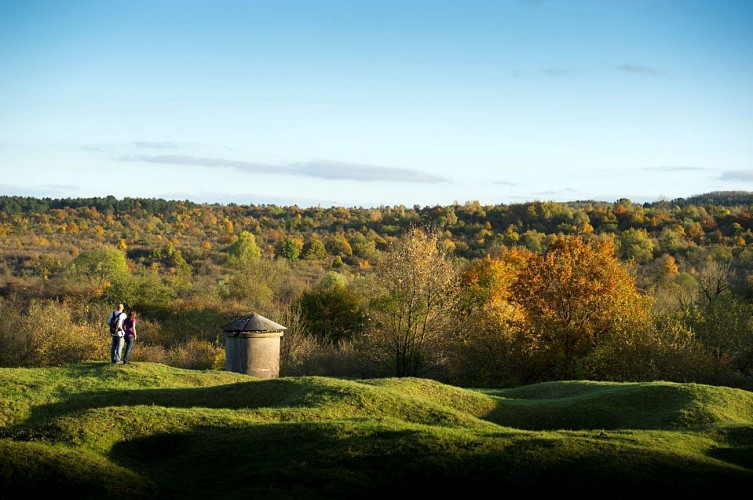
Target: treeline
<point>473,230</point>
<point>528,292</point>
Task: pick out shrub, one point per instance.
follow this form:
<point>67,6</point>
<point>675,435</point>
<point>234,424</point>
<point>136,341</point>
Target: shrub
<point>197,354</point>
<point>664,350</point>
<point>45,335</point>
<point>491,351</point>
<point>153,353</point>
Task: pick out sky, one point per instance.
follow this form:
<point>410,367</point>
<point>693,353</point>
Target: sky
<point>376,102</point>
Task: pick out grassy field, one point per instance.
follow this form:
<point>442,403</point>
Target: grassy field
<point>149,430</point>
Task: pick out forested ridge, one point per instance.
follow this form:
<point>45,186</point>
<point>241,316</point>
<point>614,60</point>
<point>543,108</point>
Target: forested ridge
<point>681,266</point>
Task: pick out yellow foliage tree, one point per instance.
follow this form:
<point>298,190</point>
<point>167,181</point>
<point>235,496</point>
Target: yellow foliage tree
<point>413,313</point>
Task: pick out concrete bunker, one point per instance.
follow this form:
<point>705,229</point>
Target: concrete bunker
<point>253,346</point>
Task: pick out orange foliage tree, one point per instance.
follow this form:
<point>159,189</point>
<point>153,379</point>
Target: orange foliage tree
<point>572,297</point>
<point>493,340</point>
<point>487,281</point>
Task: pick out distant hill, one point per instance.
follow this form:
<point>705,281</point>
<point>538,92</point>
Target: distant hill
<point>721,198</point>
<point>148,430</point>
<point>27,204</point>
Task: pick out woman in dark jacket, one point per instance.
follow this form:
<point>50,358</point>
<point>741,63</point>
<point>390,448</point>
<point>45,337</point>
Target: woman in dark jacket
<point>129,325</point>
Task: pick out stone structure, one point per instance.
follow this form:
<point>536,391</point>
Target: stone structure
<point>253,346</point>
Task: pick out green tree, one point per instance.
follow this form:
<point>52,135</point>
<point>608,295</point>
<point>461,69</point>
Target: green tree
<point>333,278</point>
<point>314,250</point>
<point>337,245</point>
<point>664,349</point>
<point>101,264</point>
<point>724,325</point>
<point>93,272</point>
<point>635,244</point>
<point>333,314</point>
<point>289,248</point>
<point>244,248</point>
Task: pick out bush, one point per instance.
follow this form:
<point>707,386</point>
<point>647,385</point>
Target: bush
<point>491,351</point>
<point>203,323</point>
<point>153,353</point>
<point>197,354</point>
<point>664,350</point>
<point>310,358</point>
<point>46,335</point>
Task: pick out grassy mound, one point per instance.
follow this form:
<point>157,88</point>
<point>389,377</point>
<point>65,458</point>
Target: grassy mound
<point>148,430</point>
<point>604,405</point>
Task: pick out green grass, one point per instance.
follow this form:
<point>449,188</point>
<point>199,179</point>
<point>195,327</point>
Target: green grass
<point>148,430</point>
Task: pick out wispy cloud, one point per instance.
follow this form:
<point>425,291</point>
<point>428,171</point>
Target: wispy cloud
<point>505,183</point>
<point>202,162</point>
<point>737,175</point>
<point>323,169</point>
<point>669,168</point>
<point>558,72</point>
<point>49,190</point>
<point>641,69</point>
<point>327,169</point>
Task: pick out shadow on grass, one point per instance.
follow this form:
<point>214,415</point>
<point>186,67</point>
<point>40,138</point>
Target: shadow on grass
<point>581,407</point>
<point>252,394</point>
<point>591,406</point>
<point>365,457</point>
<point>363,460</point>
<point>738,447</point>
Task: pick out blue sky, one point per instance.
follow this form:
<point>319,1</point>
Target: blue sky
<point>367,103</point>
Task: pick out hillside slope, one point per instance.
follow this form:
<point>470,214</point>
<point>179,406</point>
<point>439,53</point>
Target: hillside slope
<point>148,430</point>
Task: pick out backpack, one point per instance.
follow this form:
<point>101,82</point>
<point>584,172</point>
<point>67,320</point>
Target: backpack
<point>113,322</point>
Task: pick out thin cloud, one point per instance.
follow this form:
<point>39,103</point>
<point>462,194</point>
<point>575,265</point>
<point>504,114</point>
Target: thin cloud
<point>557,72</point>
<point>737,175</point>
<point>675,169</point>
<point>46,191</point>
<point>323,169</point>
<point>505,183</point>
<point>640,69</point>
<point>327,169</point>
<point>192,161</point>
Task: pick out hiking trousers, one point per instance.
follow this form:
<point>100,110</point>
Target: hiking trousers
<point>129,341</point>
<point>116,349</point>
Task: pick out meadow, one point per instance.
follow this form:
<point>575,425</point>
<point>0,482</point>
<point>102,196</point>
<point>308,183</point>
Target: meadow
<point>149,430</point>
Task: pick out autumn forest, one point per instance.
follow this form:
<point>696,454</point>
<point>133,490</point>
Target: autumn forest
<point>470,294</point>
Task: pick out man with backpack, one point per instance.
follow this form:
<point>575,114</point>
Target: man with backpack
<point>117,332</point>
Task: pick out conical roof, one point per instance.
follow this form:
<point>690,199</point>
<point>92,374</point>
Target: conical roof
<point>253,323</point>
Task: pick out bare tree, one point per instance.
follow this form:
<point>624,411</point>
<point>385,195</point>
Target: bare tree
<point>413,314</point>
<point>714,279</point>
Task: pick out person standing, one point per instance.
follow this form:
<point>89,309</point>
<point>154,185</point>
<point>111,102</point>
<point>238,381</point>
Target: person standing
<point>116,320</point>
<point>129,326</point>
